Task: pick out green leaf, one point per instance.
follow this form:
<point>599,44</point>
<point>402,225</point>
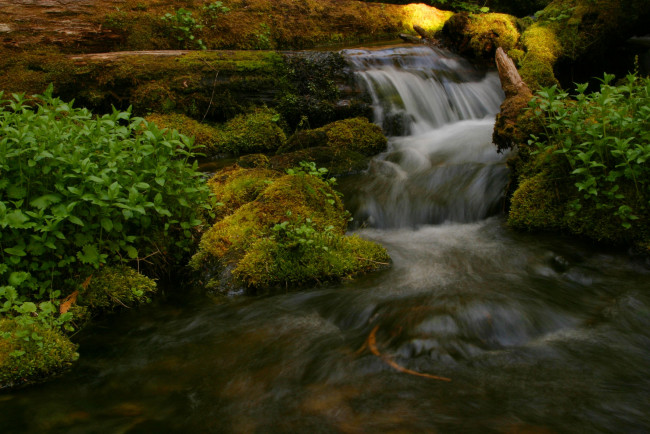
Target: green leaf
<point>75,220</point>
<point>45,201</point>
<point>16,251</point>
<point>131,251</point>
<point>107,224</point>
<point>89,255</point>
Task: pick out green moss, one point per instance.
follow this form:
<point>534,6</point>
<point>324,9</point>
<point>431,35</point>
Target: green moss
<point>26,361</point>
<point>355,134</point>
<point>542,51</point>
<point>116,287</point>
<point>246,241</point>
<point>255,132</point>
<point>489,31</point>
<point>269,264</point>
<point>204,135</point>
<point>338,163</point>
<point>235,187</point>
<point>479,35</point>
<point>535,205</point>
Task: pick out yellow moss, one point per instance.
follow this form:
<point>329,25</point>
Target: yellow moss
<point>236,186</point>
<point>430,19</point>
<point>542,51</point>
<point>255,132</point>
<point>356,134</point>
<point>535,205</point>
<point>204,135</point>
<point>26,361</point>
<point>495,30</point>
<point>269,264</point>
<point>288,198</point>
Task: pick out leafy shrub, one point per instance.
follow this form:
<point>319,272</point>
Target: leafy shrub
<point>185,26</point>
<point>599,144</point>
<point>78,191</point>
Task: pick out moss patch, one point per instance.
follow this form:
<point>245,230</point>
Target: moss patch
<point>479,35</point>
<point>116,287</point>
<point>341,162</point>
<point>237,186</point>
<point>355,134</point>
<point>204,135</point>
<point>255,132</point>
<point>259,242</point>
<point>32,360</point>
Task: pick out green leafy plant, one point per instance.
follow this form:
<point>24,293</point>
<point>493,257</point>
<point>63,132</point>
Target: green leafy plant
<point>309,168</point>
<point>78,191</point>
<point>185,26</point>
<point>602,142</point>
<point>302,234</point>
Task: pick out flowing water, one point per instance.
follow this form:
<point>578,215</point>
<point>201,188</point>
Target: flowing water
<point>474,328</point>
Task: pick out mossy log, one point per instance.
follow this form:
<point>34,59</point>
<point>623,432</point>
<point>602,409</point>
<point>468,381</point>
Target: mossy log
<point>204,85</point>
<point>506,129</point>
<point>118,25</point>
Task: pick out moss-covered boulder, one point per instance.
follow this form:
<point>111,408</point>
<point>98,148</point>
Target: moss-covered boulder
<point>32,354</point>
<point>479,35</point>
<point>236,186</point>
<point>569,33</point>
<point>295,221</point>
<point>256,132</point>
<point>338,163</point>
<point>206,136</point>
<point>355,134</point>
<point>115,287</point>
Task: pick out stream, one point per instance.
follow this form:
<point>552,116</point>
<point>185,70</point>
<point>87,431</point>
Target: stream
<point>474,327</point>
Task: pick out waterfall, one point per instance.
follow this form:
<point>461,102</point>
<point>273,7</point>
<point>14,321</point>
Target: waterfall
<point>439,112</point>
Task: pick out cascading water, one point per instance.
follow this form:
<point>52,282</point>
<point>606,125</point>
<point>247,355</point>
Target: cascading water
<point>537,334</point>
<point>441,165</point>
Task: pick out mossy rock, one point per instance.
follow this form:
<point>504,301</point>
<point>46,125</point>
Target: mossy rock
<point>338,162</point>
<point>293,201</point>
<point>33,360</point>
<point>535,205</point>
<point>270,264</point>
<point>116,287</point>
<point>479,35</point>
<point>542,51</point>
<point>255,132</point>
<point>355,134</point>
<point>204,135</point>
<point>238,186</point>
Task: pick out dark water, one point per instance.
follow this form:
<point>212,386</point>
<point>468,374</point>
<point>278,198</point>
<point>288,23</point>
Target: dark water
<point>536,333</point>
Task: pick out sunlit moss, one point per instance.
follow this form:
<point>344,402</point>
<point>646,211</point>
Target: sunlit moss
<point>40,356</point>
<point>542,51</point>
<point>236,186</point>
<point>490,31</point>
